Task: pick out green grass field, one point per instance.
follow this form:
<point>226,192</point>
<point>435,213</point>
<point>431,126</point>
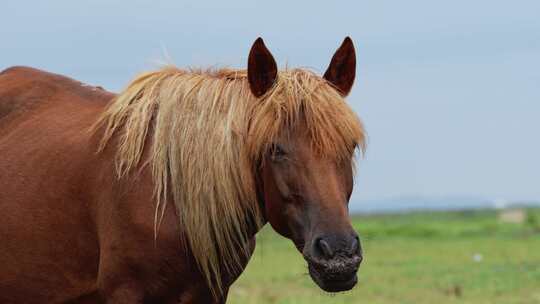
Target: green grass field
<point>411,258</point>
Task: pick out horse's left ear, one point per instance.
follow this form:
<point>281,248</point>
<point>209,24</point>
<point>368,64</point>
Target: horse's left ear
<point>342,68</point>
<point>262,68</point>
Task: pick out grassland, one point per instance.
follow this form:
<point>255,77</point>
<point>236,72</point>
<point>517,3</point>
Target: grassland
<point>450,257</point>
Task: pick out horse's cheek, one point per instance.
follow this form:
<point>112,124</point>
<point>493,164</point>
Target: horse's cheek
<point>276,217</point>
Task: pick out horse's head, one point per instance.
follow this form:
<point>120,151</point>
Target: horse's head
<point>306,193</point>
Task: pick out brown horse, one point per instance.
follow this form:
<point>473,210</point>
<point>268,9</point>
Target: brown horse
<point>155,195</point>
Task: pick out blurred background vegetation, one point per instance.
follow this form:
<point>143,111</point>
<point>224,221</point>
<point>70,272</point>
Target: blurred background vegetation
<point>484,256</point>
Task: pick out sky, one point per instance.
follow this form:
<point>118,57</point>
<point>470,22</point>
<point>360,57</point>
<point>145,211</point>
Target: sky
<point>448,90</point>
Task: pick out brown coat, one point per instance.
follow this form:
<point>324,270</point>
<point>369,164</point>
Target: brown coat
<point>65,235</point>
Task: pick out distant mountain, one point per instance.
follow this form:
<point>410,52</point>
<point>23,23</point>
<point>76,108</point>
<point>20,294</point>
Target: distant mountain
<point>413,203</point>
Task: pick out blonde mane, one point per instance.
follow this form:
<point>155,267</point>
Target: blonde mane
<point>207,135</point>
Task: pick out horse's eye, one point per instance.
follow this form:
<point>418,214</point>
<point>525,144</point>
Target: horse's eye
<point>278,153</point>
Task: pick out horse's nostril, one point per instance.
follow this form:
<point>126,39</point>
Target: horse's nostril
<point>325,248</point>
<point>355,246</point>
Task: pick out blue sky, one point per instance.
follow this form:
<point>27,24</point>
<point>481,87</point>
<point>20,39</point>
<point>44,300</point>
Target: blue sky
<point>449,91</point>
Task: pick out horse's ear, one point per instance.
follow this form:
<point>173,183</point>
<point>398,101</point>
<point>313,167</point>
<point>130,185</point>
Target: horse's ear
<point>342,68</point>
<point>262,68</point>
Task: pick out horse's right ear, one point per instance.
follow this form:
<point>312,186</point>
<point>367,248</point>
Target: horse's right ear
<point>262,68</point>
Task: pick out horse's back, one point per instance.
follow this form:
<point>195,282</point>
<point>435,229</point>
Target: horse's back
<point>46,155</point>
<point>25,90</point>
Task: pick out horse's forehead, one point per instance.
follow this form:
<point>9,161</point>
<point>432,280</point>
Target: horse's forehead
<point>302,144</point>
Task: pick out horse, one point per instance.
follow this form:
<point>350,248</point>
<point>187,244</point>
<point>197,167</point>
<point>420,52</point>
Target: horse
<point>155,194</point>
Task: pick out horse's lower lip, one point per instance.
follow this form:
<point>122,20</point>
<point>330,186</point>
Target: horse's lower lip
<point>335,284</point>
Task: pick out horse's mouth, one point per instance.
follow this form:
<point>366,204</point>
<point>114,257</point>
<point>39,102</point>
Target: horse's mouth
<point>333,282</point>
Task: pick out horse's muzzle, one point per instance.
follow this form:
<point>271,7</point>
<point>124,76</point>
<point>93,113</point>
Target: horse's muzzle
<point>334,261</point>
<point>335,275</point>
